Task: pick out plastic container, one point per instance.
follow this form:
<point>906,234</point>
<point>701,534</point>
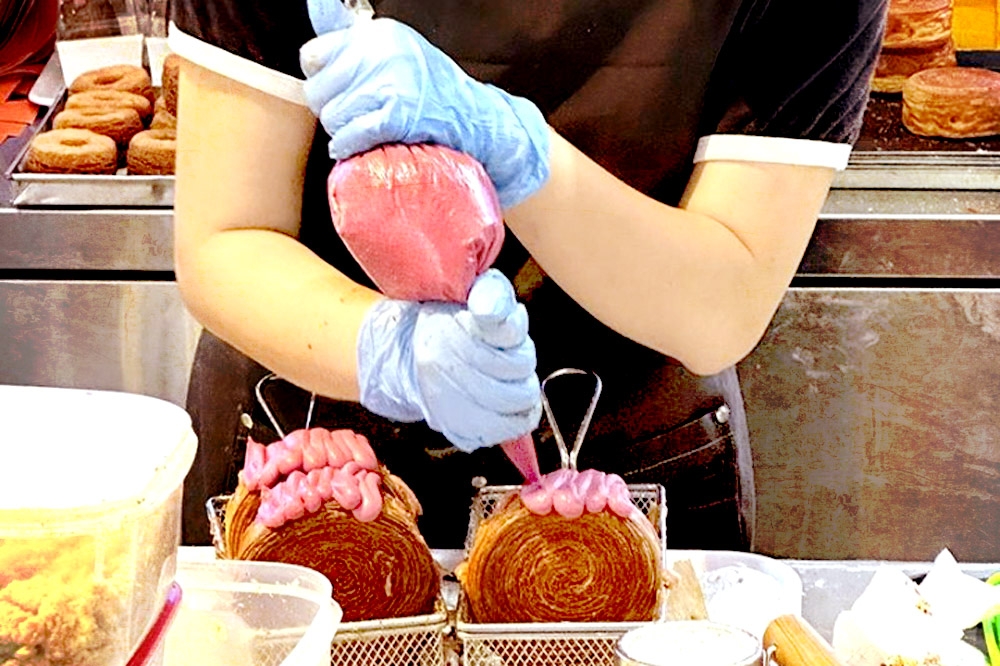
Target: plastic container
<point>744,590</point>
<point>690,643</point>
<point>249,613</point>
<point>90,508</point>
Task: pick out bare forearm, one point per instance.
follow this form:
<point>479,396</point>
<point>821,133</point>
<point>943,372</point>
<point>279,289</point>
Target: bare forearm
<point>242,272</point>
<point>302,323</point>
<point>700,282</point>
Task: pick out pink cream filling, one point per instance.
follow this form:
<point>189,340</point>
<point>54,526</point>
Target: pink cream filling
<point>571,493</point>
<point>297,474</point>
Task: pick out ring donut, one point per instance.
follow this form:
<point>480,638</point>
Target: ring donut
<point>115,77</point>
<point>119,124</point>
<point>171,71</point>
<point>113,99</point>
<point>72,150</point>
<point>151,152</point>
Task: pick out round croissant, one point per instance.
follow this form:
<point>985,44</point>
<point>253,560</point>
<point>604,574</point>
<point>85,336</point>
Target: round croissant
<point>379,569</point>
<point>599,567</point>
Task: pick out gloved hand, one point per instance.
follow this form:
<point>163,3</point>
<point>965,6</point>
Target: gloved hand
<point>469,371</point>
<point>378,81</point>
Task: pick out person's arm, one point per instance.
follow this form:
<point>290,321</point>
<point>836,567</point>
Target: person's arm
<point>699,282</point>
<point>241,271</point>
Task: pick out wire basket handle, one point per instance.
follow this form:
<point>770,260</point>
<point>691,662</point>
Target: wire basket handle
<point>567,457</point>
<point>262,401</point>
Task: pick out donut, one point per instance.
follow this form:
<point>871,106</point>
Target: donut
<point>72,150</point>
<point>917,23</point>
<point>159,104</point>
<point>894,66</point>
<point>952,102</point>
<point>163,120</point>
<point>119,124</point>
<point>151,152</point>
<point>115,77</point>
<point>171,71</point>
<point>114,99</point>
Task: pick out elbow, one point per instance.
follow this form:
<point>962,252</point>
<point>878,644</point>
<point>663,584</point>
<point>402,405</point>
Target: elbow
<point>707,362</point>
<point>186,276</point>
<point>721,345</point>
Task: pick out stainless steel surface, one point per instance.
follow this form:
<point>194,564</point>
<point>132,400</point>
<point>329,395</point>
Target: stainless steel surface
<point>60,190</point>
<point>923,171</point>
<point>568,456</point>
<point>118,335</point>
<point>72,190</point>
<point>831,586</point>
<point>874,417</point>
<point>910,204</point>
<point>49,85</point>
<point>126,240</point>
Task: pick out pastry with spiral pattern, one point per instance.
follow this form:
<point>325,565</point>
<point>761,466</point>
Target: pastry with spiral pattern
<point>320,499</point>
<point>603,564</point>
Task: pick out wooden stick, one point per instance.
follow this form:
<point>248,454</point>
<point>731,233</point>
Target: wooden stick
<point>797,643</point>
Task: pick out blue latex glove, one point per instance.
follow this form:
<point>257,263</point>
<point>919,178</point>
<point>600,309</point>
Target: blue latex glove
<point>379,81</point>
<point>469,371</point>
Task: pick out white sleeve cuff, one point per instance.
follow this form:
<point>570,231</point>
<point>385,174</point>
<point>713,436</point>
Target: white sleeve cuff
<point>778,150</point>
<point>234,67</point>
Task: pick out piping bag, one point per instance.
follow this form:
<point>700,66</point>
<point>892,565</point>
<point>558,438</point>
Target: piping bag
<point>422,221</point>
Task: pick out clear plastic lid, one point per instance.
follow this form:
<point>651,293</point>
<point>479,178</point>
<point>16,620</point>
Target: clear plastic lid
<point>85,19</point>
<point>93,452</point>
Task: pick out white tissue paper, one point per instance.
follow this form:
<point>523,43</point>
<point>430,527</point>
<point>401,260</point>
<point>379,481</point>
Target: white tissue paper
<point>896,622</point>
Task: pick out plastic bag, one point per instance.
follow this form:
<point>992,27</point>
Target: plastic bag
<point>423,220</point>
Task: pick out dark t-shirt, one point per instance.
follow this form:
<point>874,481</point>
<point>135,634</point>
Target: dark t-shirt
<point>634,84</point>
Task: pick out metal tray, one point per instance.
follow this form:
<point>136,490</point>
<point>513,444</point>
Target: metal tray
<point>55,190</point>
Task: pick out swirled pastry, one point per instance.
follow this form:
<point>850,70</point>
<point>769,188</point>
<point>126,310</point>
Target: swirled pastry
<point>917,23</point>
<point>319,499</point>
<point>597,567</point>
<point>894,66</point>
<point>952,102</point>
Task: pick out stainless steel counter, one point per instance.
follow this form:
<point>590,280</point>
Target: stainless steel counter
<point>88,299</point>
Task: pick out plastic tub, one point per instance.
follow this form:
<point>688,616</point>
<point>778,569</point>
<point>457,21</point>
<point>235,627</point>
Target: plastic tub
<point>744,590</point>
<point>89,520</point>
<point>250,613</point>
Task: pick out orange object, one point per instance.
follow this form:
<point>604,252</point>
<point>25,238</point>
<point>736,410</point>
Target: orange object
<point>975,24</point>
<point>8,130</point>
<point>18,111</point>
<point>7,86</point>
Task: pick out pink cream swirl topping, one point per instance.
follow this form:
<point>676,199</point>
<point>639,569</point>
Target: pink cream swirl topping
<point>571,493</point>
<point>297,474</point>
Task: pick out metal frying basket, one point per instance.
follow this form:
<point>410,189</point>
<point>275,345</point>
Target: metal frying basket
<point>409,641</point>
<point>530,644</point>
<point>534,643</point>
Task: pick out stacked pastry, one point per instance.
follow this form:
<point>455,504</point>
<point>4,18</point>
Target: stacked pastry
<point>571,547</point>
<point>109,120</point>
<point>917,37</point>
<point>952,102</point>
<point>320,499</point>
